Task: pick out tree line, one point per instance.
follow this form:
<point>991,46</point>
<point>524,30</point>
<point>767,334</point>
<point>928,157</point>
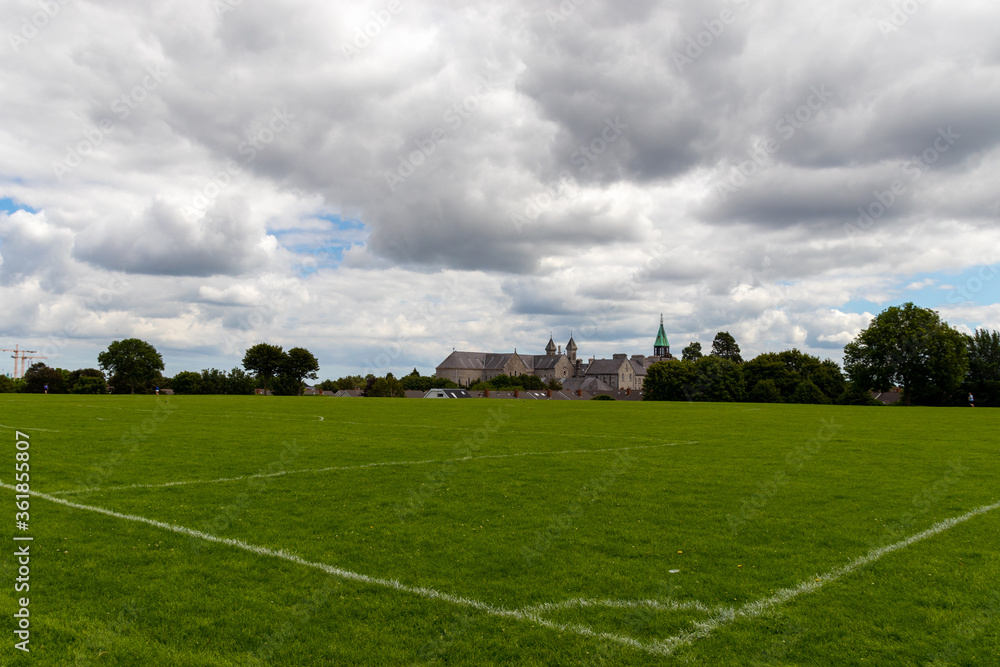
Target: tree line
<point>904,347</point>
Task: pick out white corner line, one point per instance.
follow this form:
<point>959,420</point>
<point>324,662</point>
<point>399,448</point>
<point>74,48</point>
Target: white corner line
<point>727,615</point>
<point>420,591</point>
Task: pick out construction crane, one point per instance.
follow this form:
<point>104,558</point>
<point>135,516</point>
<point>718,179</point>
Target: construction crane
<point>24,357</point>
<point>21,355</point>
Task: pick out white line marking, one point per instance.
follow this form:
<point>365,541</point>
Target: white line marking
<point>581,603</point>
<point>723,617</point>
<point>96,489</point>
<point>727,615</point>
<point>420,591</point>
<point>27,430</point>
<point>320,417</point>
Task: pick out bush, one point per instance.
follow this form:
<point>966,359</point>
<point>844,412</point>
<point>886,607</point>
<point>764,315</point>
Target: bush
<point>603,397</point>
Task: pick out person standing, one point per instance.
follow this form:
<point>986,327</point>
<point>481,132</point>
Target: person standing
<point>971,404</point>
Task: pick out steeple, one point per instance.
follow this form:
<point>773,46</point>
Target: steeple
<point>661,348</point>
<point>550,349</point>
<point>571,348</point>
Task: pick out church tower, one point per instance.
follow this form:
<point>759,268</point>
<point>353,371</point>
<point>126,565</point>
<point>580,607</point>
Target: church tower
<point>571,349</point>
<point>550,349</point>
<point>661,348</point>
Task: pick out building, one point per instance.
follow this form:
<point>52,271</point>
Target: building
<point>618,373</point>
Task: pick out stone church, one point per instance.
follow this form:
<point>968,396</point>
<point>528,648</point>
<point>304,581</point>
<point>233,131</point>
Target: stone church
<point>619,372</point>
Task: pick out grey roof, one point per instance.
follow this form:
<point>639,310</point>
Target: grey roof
<point>543,362</point>
<point>586,384</point>
<point>496,362</point>
<point>605,366</point>
<point>465,361</point>
<point>639,369</point>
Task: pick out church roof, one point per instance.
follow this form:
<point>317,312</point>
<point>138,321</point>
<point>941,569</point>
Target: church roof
<point>571,345</point>
<point>605,366</point>
<point>661,337</point>
<point>551,347</point>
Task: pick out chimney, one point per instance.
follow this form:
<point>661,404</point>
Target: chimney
<point>486,393</point>
<point>628,391</point>
<point>549,392</point>
<point>579,392</point>
<point>560,350</point>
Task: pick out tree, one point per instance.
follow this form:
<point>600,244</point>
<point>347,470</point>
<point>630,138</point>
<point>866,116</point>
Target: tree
<point>212,382</point>
<point>910,347</point>
<point>39,376</point>
<point>692,352</point>
<point>717,379</point>
<point>264,361</point>
<point>239,383</point>
<point>6,385</point>
<point>131,363</point>
<point>421,383</point>
<point>808,392</point>
<point>788,369</point>
<point>186,382</point>
<point>725,346</point>
<point>299,364</point>
<point>983,378</point>
<point>387,387</point>
<point>710,378</point>
<point>765,391</point>
<point>349,383</point>
<point>87,381</point>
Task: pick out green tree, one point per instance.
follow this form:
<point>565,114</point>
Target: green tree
<point>910,347</point>
<point>983,378</point>
<point>387,387</point>
<point>186,382</point>
<point>692,352</point>
<point>765,391</point>
<point>211,382</point>
<point>264,361</point>
<point>666,380</point>
<point>808,392</point>
<point>725,346</point>
<point>717,379</point>
<point>239,383</point>
<point>349,383</point>
<point>87,381</point>
<point>38,376</point>
<point>6,385</point>
<point>788,369</point>
<point>131,363</point>
<point>299,364</point>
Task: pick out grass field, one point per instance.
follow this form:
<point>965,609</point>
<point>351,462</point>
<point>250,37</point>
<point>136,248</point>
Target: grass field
<point>318,531</point>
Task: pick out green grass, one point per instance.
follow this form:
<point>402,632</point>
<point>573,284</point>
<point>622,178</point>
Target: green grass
<point>560,501</point>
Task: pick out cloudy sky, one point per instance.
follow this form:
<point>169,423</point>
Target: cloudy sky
<point>381,182</point>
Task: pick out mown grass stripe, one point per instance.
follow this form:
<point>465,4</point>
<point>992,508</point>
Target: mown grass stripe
<point>377,464</point>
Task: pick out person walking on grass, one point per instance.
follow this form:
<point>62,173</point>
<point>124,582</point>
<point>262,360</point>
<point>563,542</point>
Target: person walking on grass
<point>971,404</point>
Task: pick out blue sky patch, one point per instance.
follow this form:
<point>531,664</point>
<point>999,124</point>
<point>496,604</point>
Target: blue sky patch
<point>8,205</point>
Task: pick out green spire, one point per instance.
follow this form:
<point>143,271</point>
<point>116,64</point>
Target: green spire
<point>661,337</point>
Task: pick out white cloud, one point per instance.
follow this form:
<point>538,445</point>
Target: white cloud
<point>564,176</point>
